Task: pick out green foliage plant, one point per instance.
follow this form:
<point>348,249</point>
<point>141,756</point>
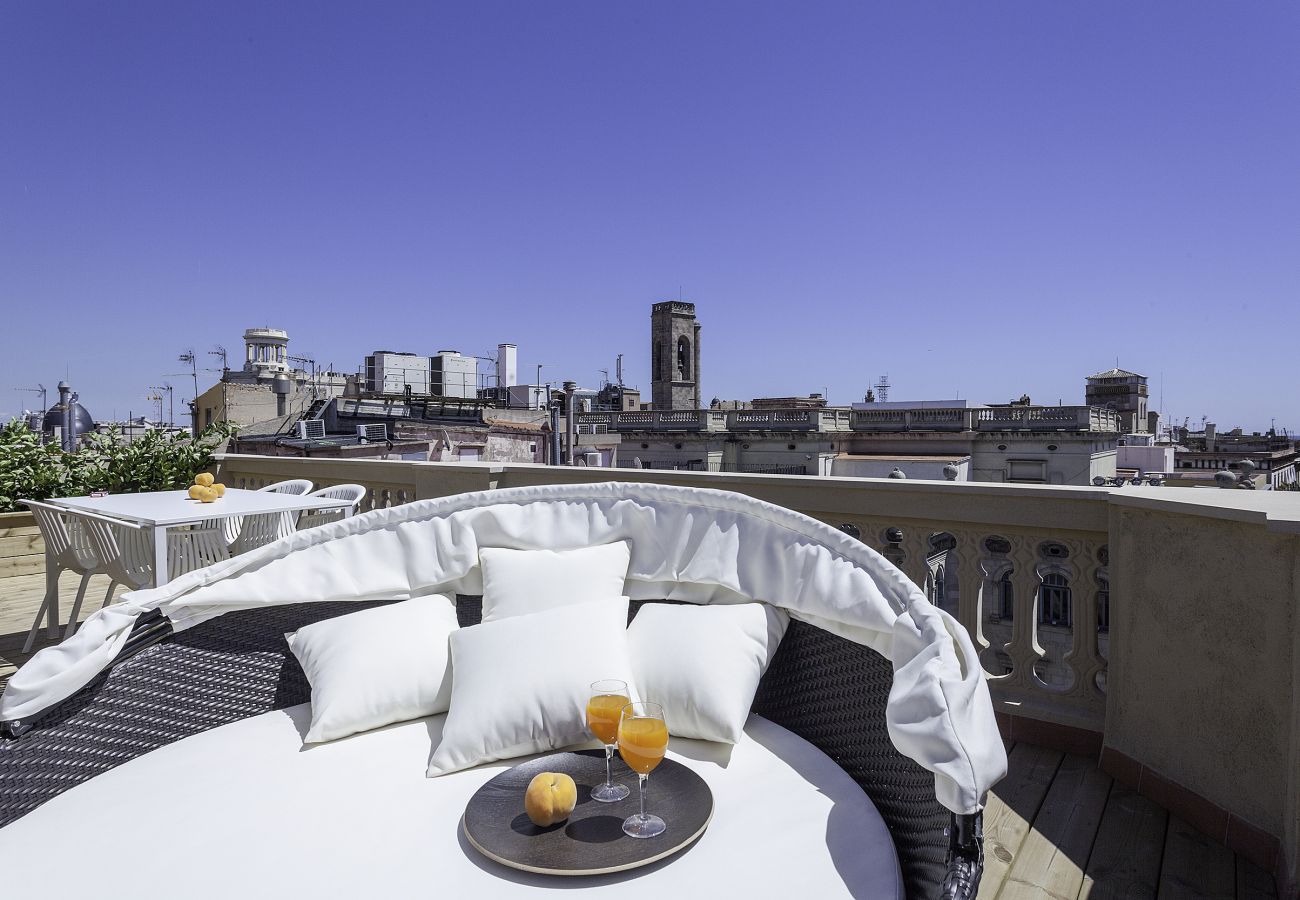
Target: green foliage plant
<point>157,460</point>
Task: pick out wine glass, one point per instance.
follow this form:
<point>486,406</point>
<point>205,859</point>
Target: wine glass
<point>642,742</point>
<point>608,697</point>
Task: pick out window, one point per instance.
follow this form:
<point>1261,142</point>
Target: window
<point>1006,598</point>
<point>683,359</point>
<point>938,587</point>
<point>660,370</point>
<point>1103,608</point>
<point>1054,601</point>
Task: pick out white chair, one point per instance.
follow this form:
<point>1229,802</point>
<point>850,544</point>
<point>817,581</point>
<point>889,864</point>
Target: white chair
<point>67,548</point>
<point>353,493</point>
<point>124,550</point>
<point>195,548</point>
<point>259,530</point>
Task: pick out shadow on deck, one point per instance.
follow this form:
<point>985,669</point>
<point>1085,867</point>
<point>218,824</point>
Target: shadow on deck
<point>1058,827</point>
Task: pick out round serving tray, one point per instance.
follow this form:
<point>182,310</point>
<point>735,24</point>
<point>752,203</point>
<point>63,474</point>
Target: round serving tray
<point>591,841</point>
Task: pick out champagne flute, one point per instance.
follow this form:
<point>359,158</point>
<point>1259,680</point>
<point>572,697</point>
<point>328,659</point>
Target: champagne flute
<point>642,742</point>
<point>608,697</point>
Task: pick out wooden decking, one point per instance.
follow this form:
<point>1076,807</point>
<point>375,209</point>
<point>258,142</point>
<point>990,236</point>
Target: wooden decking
<point>1056,826</point>
<point>20,597</point>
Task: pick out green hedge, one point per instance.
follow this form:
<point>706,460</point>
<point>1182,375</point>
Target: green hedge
<point>155,461</point>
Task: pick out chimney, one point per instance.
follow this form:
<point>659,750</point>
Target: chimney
<point>1210,429</point>
<point>507,372</point>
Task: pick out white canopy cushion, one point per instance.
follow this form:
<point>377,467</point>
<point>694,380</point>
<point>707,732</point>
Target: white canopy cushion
<point>703,663</point>
<point>520,685</point>
<point>517,582</point>
<point>691,544</point>
<point>377,666</point>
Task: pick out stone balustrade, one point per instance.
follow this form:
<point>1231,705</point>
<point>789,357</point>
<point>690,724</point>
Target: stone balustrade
<point>1165,623</point>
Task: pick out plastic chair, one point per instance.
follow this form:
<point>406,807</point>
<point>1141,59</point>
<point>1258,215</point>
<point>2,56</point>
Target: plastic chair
<point>350,492</point>
<point>195,548</point>
<point>260,530</point>
<point>67,548</point>
<point>123,548</point>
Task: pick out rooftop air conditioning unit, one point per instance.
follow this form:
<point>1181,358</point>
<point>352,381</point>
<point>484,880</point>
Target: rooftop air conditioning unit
<point>311,429</point>
<point>372,433</point>
<point>591,459</point>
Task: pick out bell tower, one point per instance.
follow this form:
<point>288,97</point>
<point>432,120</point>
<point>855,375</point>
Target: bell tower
<point>674,356</point>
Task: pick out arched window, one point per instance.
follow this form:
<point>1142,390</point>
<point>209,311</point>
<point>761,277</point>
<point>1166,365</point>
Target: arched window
<point>1006,598</point>
<point>683,359</point>
<point>938,587</point>
<point>1103,608</point>
<point>1054,601</point>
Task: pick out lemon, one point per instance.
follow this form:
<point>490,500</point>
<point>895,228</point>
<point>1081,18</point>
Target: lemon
<point>219,488</point>
<point>196,492</point>
<point>203,478</point>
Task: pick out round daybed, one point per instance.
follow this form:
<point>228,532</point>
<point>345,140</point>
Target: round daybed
<point>158,752</point>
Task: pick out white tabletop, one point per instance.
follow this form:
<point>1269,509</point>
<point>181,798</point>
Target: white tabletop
<point>176,508</point>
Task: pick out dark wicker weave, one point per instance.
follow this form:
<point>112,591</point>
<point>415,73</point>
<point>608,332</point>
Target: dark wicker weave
<point>824,688</point>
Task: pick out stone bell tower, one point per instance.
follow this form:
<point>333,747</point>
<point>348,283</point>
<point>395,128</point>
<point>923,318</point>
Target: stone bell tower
<point>674,356</point>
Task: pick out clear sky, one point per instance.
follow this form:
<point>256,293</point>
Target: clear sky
<point>989,198</point>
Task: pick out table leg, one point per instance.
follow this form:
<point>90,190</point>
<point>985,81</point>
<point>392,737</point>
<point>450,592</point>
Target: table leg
<point>160,556</point>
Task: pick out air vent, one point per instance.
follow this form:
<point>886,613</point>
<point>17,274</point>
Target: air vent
<point>372,433</point>
<point>311,429</point>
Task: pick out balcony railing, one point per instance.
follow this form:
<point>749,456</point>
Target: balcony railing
<point>1001,418</point>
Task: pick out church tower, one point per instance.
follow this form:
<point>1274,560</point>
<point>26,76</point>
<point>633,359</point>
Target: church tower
<point>674,356</point>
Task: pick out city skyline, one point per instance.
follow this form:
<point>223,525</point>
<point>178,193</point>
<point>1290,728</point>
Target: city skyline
<point>979,202</point>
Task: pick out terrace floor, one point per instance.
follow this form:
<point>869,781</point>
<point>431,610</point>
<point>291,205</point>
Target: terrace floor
<point>1056,827</point>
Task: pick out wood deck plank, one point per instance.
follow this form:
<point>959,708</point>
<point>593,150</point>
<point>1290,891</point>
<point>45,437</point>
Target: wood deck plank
<point>1125,859</point>
<point>1055,853</point>
<point>1195,865</point>
<point>1012,805</point>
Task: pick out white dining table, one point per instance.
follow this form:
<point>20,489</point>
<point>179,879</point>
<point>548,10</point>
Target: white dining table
<point>161,510</point>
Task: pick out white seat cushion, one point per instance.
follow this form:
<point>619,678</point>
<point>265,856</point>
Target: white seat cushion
<point>518,582</point>
<point>377,666</point>
<point>244,811</point>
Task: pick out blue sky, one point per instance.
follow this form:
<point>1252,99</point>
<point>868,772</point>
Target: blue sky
<point>988,199</point>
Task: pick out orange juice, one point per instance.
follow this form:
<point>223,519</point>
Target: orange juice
<point>642,743</point>
<point>602,716</point>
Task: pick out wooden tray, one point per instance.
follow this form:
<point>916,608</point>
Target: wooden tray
<point>591,841</point>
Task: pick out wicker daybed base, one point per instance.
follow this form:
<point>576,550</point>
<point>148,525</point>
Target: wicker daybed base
<point>829,691</point>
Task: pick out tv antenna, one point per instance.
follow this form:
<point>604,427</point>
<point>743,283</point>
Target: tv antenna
<point>882,389</point>
<point>39,389</point>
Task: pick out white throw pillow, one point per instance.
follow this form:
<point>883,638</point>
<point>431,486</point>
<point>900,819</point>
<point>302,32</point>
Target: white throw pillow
<point>378,666</point>
<point>519,582</point>
<point>521,684</point>
<point>703,663</point>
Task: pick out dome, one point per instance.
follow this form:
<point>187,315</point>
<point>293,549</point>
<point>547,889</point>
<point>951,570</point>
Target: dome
<point>54,418</point>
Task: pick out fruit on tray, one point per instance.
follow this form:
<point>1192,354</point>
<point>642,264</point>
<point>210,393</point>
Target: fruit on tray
<point>551,796</point>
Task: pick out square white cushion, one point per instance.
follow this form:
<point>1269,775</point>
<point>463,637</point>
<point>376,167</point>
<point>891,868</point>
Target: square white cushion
<point>521,684</point>
<point>378,666</point>
<point>518,582</point>
<point>703,663</point>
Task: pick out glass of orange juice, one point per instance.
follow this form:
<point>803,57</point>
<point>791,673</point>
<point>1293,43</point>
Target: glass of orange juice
<point>608,697</point>
<point>642,742</point>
